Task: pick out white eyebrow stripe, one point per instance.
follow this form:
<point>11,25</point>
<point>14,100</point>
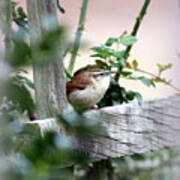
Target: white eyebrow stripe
<point>103,72</point>
<point>96,73</point>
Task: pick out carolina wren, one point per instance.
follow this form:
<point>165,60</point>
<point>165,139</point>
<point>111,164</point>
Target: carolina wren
<point>87,88</point>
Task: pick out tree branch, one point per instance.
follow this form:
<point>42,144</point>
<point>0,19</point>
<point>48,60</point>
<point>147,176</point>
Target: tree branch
<point>134,32</point>
<point>158,78</point>
<point>78,36</point>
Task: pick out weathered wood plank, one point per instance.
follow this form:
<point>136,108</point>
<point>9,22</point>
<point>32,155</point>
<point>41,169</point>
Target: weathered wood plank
<point>131,128</point>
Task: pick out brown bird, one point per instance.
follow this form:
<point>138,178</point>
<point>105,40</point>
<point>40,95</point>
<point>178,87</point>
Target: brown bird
<point>87,88</point>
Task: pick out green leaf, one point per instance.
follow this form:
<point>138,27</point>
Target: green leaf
<point>125,73</point>
<point>119,54</point>
<point>102,65</point>
<point>25,81</point>
<point>134,64</point>
<point>46,50</point>
<point>128,40</point>
<point>119,63</point>
<point>99,48</point>
<point>146,81</point>
<point>21,13</point>
<point>111,41</point>
<point>102,52</point>
<point>21,54</point>
<point>22,71</point>
<point>130,95</point>
<point>19,94</point>
<point>102,56</point>
<point>162,68</point>
<point>19,16</point>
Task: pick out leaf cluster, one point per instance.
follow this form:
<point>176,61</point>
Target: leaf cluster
<point>18,91</point>
<point>112,56</point>
<point>162,68</point>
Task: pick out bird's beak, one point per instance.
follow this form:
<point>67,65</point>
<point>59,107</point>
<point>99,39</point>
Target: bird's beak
<point>109,72</point>
<point>112,72</point>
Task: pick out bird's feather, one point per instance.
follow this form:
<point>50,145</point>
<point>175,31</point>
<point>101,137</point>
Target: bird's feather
<point>79,82</point>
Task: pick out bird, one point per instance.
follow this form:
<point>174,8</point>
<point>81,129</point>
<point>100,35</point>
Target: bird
<point>87,88</point>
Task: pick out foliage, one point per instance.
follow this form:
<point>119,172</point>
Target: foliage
<point>111,57</point>
<point>21,56</point>
<point>28,155</point>
<point>150,166</point>
<point>162,68</point>
<point>18,90</point>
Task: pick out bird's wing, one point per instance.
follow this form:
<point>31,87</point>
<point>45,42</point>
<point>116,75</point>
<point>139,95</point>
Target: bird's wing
<point>76,84</point>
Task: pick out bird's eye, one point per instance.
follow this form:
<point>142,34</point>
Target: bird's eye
<point>102,74</point>
<point>105,73</point>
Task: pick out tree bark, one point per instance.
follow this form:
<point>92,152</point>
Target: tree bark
<point>49,79</point>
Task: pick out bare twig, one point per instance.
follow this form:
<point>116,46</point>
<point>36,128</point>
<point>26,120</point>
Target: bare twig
<point>78,36</point>
<point>134,32</point>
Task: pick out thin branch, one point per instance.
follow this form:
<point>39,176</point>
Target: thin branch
<point>78,36</point>
<point>158,78</point>
<point>135,31</point>
<point>138,24</point>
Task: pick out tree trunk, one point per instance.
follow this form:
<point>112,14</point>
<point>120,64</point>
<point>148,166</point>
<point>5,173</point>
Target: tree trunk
<point>49,79</point>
